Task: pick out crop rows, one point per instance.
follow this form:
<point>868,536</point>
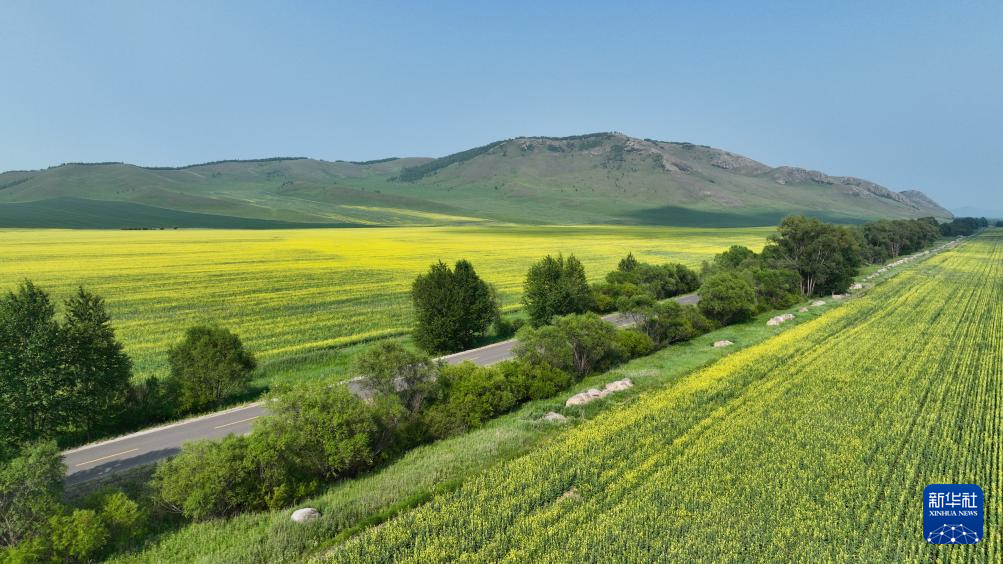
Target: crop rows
<point>290,291</point>
<point>813,446</point>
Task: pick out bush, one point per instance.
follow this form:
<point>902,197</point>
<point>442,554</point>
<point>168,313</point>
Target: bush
<point>393,370</point>
<point>776,288</point>
<point>209,479</point>
<point>505,327</point>
<point>208,366</point>
<point>574,343</point>
<point>80,535</point>
<point>631,343</point>
<point>470,395</point>
<point>453,308</point>
<point>31,485</point>
<point>529,381</point>
<point>608,294</point>
<point>661,281</point>
<point>320,431</point>
<point>124,519</point>
<point>556,286</point>
<point>727,298</point>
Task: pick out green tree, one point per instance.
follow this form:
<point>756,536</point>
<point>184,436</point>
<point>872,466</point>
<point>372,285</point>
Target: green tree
<point>34,389</point>
<point>453,308</point>
<point>556,286</point>
<point>776,288</point>
<point>825,256</point>
<point>209,479</point>
<point>31,485</point>
<point>727,298</point>
<point>390,369</point>
<point>627,263</point>
<point>323,431</point>
<point>578,343</point>
<point>209,365</point>
<point>98,367</point>
<point>470,395</point>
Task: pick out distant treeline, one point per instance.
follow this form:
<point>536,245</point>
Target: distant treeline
<point>413,173</point>
<point>372,162</point>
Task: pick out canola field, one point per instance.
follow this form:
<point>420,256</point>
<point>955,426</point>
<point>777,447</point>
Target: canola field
<point>291,291</point>
<point>813,446</point>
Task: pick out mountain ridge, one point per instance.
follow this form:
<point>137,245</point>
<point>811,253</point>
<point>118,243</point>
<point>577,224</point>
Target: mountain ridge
<point>598,178</point>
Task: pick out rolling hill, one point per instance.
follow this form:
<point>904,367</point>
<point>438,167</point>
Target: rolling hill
<point>602,178</point>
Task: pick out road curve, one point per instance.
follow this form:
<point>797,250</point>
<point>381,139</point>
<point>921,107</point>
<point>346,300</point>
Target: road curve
<point>100,459</point>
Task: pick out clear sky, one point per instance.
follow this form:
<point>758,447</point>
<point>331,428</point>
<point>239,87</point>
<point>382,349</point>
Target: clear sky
<point>907,94</point>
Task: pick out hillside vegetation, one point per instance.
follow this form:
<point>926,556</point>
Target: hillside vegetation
<point>815,445</point>
<point>599,178</point>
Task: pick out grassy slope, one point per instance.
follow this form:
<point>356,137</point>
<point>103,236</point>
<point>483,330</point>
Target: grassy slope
<point>812,446</point>
<point>434,469</point>
<point>602,178</point>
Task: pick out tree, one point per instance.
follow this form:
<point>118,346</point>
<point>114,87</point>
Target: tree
<point>663,322</point>
<point>79,535</point>
<point>209,479</point>
<point>322,431</point>
<point>627,263</point>
<point>826,257</point>
<point>453,307</point>
<point>33,387</point>
<point>390,369</point>
<point>727,298</point>
<point>776,288</point>
<point>577,343</point>
<point>470,395</point>
<point>209,365</point>
<point>556,286</point>
<point>31,485</point>
<point>99,368</point>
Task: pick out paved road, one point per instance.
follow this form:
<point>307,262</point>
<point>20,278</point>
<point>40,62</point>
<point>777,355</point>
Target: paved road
<point>100,459</point>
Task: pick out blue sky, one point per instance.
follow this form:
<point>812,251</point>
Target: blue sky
<point>907,94</point>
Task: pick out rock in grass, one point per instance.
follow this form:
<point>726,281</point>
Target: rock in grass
<point>817,303</point>
<point>725,343</point>
<point>803,310</point>
<point>594,394</point>
<point>305,514</point>
<point>554,417</point>
<point>780,319</point>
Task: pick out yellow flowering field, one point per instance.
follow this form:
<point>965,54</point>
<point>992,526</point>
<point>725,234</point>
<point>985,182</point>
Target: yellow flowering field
<point>289,291</point>
<point>813,446</point>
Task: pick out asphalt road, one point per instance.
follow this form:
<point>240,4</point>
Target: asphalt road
<point>96,460</point>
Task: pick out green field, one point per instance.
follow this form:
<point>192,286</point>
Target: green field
<point>812,446</point>
<point>291,293</point>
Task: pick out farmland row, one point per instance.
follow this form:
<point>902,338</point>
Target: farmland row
<point>815,445</point>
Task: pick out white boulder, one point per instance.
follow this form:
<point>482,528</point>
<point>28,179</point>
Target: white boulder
<point>305,514</point>
<point>554,417</point>
<point>594,394</point>
<point>724,343</point>
<point>818,303</point>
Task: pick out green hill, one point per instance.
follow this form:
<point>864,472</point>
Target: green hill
<point>599,178</point>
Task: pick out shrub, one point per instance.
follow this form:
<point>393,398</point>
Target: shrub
<point>453,308</point>
<point>391,369</point>
<point>505,327</point>
<point>574,343</point>
<point>607,294</point>
<point>727,298</point>
<point>31,485</point>
<point>470,395</point>
<point>321,431</point>
<point>79,535</point>
<point>209,479</point>
<point>631,343</point>
<point>776,288</point>
<point>556,286</point>
<point>529,381</point>
<point>208,366</point>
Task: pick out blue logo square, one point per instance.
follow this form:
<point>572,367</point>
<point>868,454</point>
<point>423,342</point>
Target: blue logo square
<point>952,514</point>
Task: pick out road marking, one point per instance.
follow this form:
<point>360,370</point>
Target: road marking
<point>107,457</point>
<point>235,422</point>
